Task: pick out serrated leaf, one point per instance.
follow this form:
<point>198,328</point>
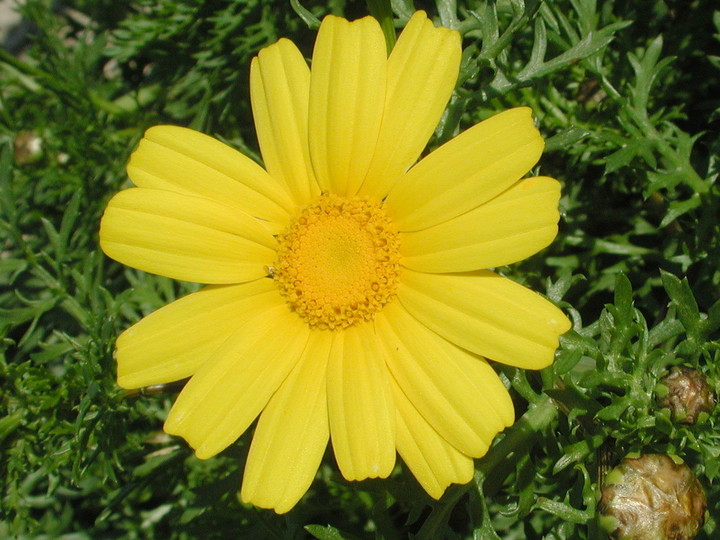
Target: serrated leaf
<point>630,150</point>
<point>10,268</point>
<point>18,316</point>
<point>587,46</point>
<point>69,218</point>
<point>712,323</point>
<point>571,340</point>
<point>575,400</point>
<point>681,296</point>
<point>614,411</point>
<point>563,510</point>
<point>663,331</point>
<point>539,48</point>
<point>605,378</point>
<point>678,208</point>
<point>577,452</point>
<point>605,246</point>
<point>51,352</point>
<point>647,68</point>
<point>54,237</point>
<point>156,462</point>
<point>565,138</point>
<point>10,423</point>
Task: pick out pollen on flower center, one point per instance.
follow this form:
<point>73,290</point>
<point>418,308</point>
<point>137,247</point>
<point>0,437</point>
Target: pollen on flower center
<point>338,262</point>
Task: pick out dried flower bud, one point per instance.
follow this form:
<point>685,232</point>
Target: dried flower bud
<point>652,497</point>
<point>686,393</point>
<point>27,148</point>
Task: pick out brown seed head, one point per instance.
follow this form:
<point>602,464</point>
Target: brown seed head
<point>688,394</point>
<point>652,497</point>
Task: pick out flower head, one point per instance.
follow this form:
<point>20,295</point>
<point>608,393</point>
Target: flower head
<point>348,294</point>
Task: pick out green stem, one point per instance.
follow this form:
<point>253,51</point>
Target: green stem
<point>496,464</point>
<point>501,458</point>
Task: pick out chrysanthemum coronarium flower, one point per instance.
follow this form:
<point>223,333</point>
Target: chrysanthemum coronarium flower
<point>348,293</point>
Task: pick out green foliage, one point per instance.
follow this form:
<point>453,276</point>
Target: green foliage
<point>630,108</point>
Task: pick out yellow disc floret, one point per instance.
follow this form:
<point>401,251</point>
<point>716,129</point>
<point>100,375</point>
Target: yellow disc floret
<point>338,262</point>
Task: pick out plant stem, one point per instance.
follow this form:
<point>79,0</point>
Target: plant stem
<point>496,464</point>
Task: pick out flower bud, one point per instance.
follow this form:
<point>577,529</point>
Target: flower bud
<point>686,393</point>
<point>27,148</point>
<point>652,497</point>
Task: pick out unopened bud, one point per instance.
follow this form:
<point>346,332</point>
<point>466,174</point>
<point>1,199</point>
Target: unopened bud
<point>686,393</point>
<point>652,497</point>
<point>27,148</point>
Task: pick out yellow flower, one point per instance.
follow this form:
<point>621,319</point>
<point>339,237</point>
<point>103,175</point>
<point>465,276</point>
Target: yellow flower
<point>348,294</point>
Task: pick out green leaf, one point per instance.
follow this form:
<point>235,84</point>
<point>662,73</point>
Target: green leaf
<point>58,248</point>
<point>573,400</point>
<point>328,533</point>
<point>647,68</point>
<point>678,208</point>
<point>565,138</point>
<point>10,269</point>
<point>10,423</point>
<point>566,361</point>
<point>578,452</point>
<point>623,313</point>
<point>682,298</point>
<point>712,323</point>
<point>311,20</point>
<point>448,13</point>
<point>631,149</point>
<point>663,331</point>
<point>563,510</point>
<point>35,309</point>
<point>404,8</point>
<point>614,411</point>
<point>587,46</point>
<point>69,219</point>
<point>605,246</point>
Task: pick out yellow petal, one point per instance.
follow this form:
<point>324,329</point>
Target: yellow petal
<point>434,462</point>
<point>457,393</point>
<point>221,400</point>
<point>176,340</point>
<point>467,171</point>
<point>360,406</point>
<point>188,162</point>
<point>509,228</point>
<point>279,91</point>
<point>347,96</point>
<point>292,433</point>
<point>422,71</point>
<point>486,314</point>
<point>185,237</point>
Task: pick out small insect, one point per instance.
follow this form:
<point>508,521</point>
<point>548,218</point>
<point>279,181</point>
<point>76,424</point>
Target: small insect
<point>270,271</point>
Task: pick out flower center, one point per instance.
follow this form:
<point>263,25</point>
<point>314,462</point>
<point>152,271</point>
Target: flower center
<point>338,262</point>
